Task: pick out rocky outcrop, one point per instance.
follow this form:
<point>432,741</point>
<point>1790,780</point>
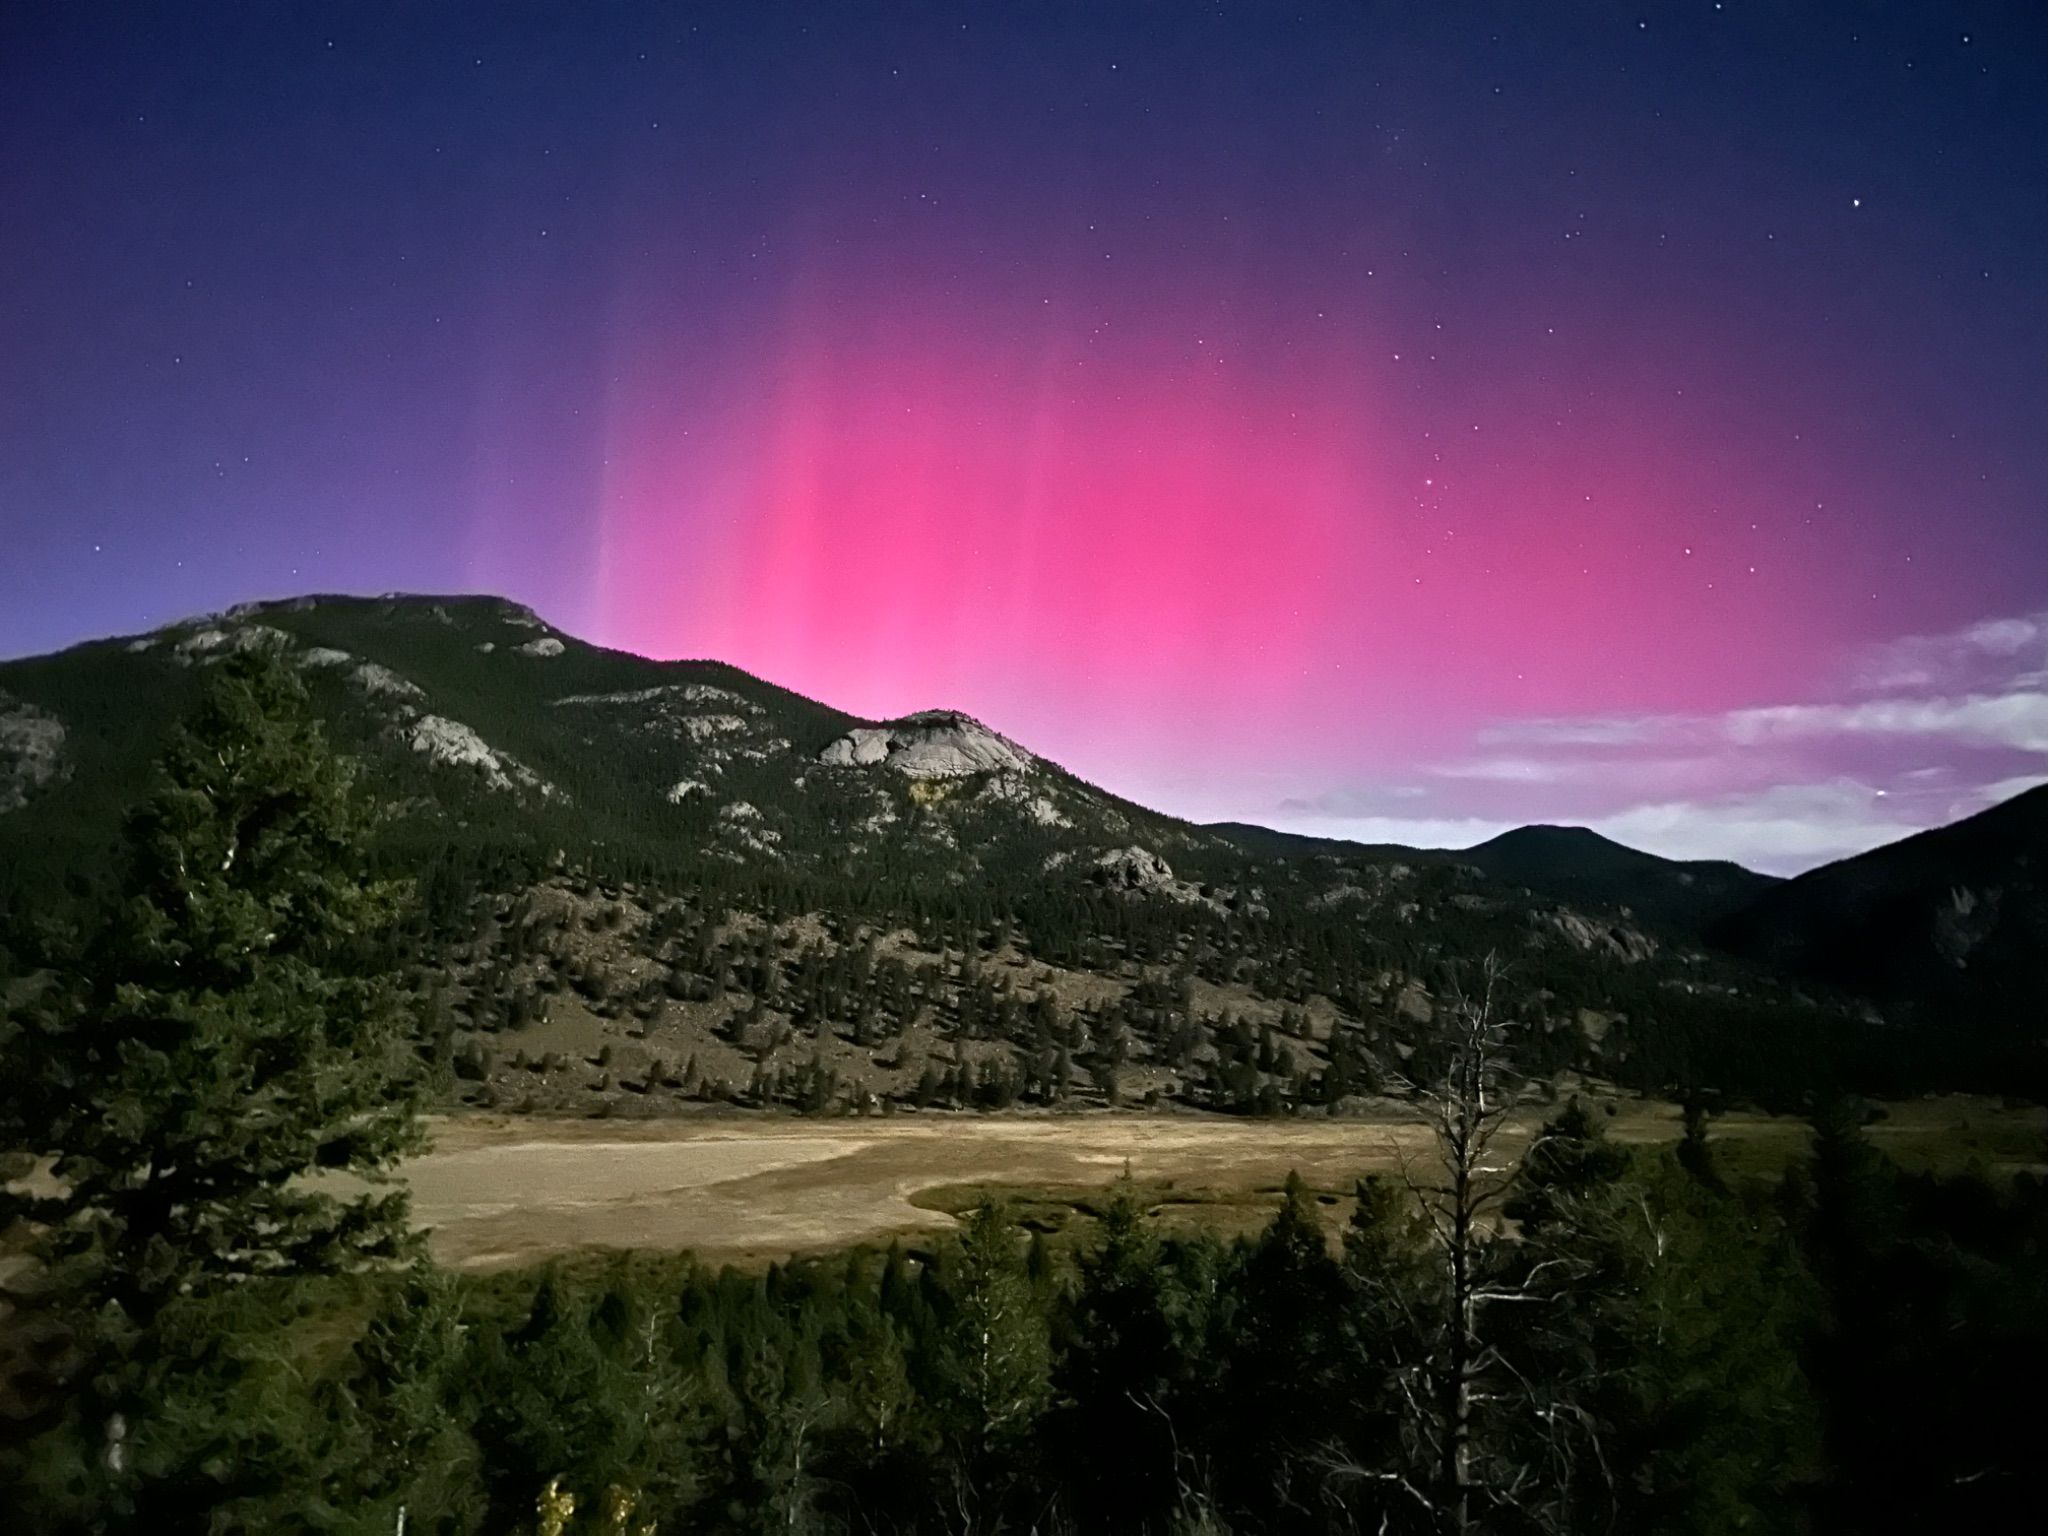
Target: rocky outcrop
<point>703,727</point>
<point>381,682</point>
<point>455,745</point>
<point>662,693</point>
<point>244,611</point>
<point>1011,790</point>
<point>545,645</point>
<point>742,826</point>
<point>1135,869</point>
<point>1628,945</point>
<point>1139,871</point>
<point>1964,921</point>
<point>719,726</point>
<point>210,643</point>
<point>31,751</point>
<point>937,744</point>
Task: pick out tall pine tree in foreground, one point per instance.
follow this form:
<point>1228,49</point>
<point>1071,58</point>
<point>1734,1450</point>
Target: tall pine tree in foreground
<point>231,1027</point>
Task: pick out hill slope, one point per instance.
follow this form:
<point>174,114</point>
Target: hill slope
<point>1950,926</point>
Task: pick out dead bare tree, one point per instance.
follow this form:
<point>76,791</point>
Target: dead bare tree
<point>1478,1438</point>
<point>1466,1111</point>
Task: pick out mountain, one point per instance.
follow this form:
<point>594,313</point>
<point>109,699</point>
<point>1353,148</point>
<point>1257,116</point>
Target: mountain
<point>1575,864</point>
<point>648,884</point>
<point>487,728</point>
<point>1948,928</point>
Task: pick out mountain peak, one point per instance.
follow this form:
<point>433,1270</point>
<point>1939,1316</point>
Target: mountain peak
<point>1579,864</point>
<point>1559,850</point>
<point>1554,836</point>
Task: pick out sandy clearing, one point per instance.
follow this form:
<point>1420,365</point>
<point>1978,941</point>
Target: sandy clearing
<point>498,1189</point>
<point>495,1192</point>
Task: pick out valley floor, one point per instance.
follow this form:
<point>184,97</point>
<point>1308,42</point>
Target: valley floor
<point>502,1190</point>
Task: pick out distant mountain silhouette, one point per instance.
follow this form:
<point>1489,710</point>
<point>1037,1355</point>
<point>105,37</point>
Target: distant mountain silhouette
<point>1575,865</point>
<point>1578,865</point>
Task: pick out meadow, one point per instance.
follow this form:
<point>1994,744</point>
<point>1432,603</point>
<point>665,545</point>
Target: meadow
<point>496,1191</point>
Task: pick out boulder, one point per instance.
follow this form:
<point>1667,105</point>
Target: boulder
<point>1135,869</point>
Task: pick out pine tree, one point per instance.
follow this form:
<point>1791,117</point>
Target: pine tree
<point>230,1028</point>
<point>584,1387</point>
<point>1116,1376</point>
<point>1390,1275</point>
<point>1281,1369</point>
<point>998,1357</point>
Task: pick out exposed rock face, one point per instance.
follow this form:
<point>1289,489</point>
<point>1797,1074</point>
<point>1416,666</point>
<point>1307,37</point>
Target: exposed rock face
<point>272,605</point>
<point>545,645</point>
<point>454,744</point>
<point>1139,871</point>
<point>1965,920</point>
<point>741,825</point>
<point>701,727</point>
<point>1365,886</point>
<point>1624,943</point>
<point>31,751</point>
<point>718,726</point>
<point>1135,869</point>
<point>686,693</point>
<point>1011,790</point>
<point>937,744</point>
<point>382,681</point>
<point>206,644</point>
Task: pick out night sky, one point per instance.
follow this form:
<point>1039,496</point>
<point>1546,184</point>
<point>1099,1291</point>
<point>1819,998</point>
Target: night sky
<point>1391,421</point>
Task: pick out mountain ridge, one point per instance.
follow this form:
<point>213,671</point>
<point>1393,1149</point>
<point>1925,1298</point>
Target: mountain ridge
<point>934,898</point>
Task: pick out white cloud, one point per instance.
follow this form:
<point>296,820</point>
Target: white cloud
<point>1343,804</point>
<point>1984,796</point>
<point>1579,731</point>
<point>2000,720</point>
<point>2016,719</point>
<point>1410,832</point>
<point>1781,830</point>
<point>1961,659</point>
<point>1511,770</point>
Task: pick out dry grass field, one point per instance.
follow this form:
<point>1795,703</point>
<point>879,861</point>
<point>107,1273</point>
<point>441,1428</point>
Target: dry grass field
<point>502,1190</point>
